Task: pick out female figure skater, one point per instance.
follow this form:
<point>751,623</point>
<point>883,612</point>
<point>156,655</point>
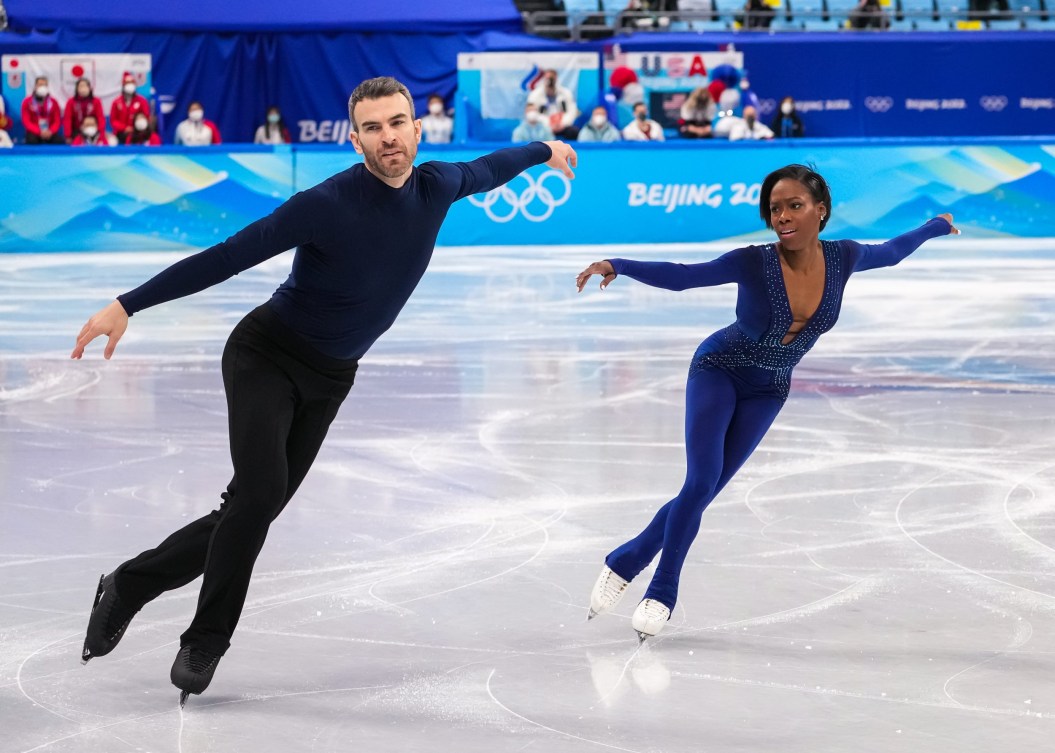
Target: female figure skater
<point>789,294</point>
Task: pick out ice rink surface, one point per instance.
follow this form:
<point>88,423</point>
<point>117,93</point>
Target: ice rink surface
<point>878,578</point>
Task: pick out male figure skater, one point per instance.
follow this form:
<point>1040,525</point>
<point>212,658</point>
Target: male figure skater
<point>364,238</point>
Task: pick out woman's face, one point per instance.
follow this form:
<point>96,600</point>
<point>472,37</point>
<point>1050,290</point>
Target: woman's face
<point>794,215</point>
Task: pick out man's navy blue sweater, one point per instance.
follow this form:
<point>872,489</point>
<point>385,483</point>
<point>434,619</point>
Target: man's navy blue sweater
<point>362,246</point>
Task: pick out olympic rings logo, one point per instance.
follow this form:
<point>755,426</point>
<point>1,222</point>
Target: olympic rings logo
<point>993,104</point>
<point>879,104</point>
<point>536,202</point>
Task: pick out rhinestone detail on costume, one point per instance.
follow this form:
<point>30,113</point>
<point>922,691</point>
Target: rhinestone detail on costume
<point>769,353</point>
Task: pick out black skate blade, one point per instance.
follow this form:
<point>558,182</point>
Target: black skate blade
<point>184,694</point>
<point>85,653</point>
<point>642,637</point>
<point>591,615</point>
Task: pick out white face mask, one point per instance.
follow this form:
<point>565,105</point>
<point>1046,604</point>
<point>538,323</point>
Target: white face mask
<point>196,115</point>
<point>531,116</point>
<point>130,89</point>
<point>41,92</point>
<point>786,108</point>
<point>273,118</point>
<point>141,124</point>
<point>436,108</point>
<point>598,121</point>
<point>90,131</point>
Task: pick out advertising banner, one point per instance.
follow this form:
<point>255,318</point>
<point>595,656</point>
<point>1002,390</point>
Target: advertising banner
<point>62,199</point>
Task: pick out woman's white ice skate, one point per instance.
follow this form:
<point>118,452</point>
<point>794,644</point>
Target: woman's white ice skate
<point>649,618</point>
<point>607,592</point>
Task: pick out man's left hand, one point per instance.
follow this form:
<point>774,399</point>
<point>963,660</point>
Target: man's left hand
<point>562,156</point>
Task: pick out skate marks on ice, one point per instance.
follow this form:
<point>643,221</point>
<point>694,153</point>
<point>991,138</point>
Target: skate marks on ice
<point>879,571</point>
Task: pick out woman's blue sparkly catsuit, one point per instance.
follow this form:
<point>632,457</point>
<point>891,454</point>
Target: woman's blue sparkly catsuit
<point>739,379</point>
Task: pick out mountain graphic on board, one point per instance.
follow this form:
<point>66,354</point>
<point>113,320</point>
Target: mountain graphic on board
<point>197,219</point>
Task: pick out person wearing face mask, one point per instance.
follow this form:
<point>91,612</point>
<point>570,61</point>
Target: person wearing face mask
<point>126,107</point>
<point>5,125</point>
<point>599,128</point>
<point>273,130</point>
<point>196,130</point>
<point>787,124</point>
<point>143,133</point>
<point>532,127</point>
<point>557,105</point>
<point>749,128</point>
<point>42,116</point>
<point>78,107</point>
<point>437,127</point>
<point>90,134</point>
<point>642,127</point>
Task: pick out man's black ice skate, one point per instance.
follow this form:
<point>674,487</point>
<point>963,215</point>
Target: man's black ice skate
<point>109,618</point>
<point>193,670</point>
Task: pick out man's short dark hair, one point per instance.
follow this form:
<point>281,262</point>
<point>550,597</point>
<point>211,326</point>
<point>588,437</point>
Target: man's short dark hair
<point>376,88</point>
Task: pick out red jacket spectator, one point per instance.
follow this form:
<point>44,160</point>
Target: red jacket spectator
<point>37,112</point>
<point>125,108</point>
<point>142,134</point>
<point>84,103</point>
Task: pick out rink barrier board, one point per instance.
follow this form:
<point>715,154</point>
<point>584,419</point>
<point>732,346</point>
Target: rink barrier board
<point>170,198</point>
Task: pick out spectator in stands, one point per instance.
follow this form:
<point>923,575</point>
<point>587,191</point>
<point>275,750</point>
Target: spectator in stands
<point>143,133</point>
<point>196,130</point>
<point>697,113</point>
<point>634,15</point>
<point>437,127</point>
<point>749,128</point>
<point>42,116</point>
<point>557,104</point>
<point>757,14</point>
<point>5,126</point>
<point>870,15</point>
<point>599,128</point>
<point>125,108</point>
<point>728,113</point>
<point>532,127</point>
<point>642,127</point>
<point>79,106</point>
<point>787,124</point>
<point>273,130</point>
<point>91,134</point>
<point>990,10</point>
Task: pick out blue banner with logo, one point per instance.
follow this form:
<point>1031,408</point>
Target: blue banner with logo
<point>65,199</point>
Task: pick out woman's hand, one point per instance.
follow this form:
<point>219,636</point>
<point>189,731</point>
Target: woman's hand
<point>111,321</point>
<point>948,218</point>
<point>603,268</point>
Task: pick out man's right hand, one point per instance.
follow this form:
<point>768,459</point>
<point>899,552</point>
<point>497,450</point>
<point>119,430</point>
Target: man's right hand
<point>111,321</point>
